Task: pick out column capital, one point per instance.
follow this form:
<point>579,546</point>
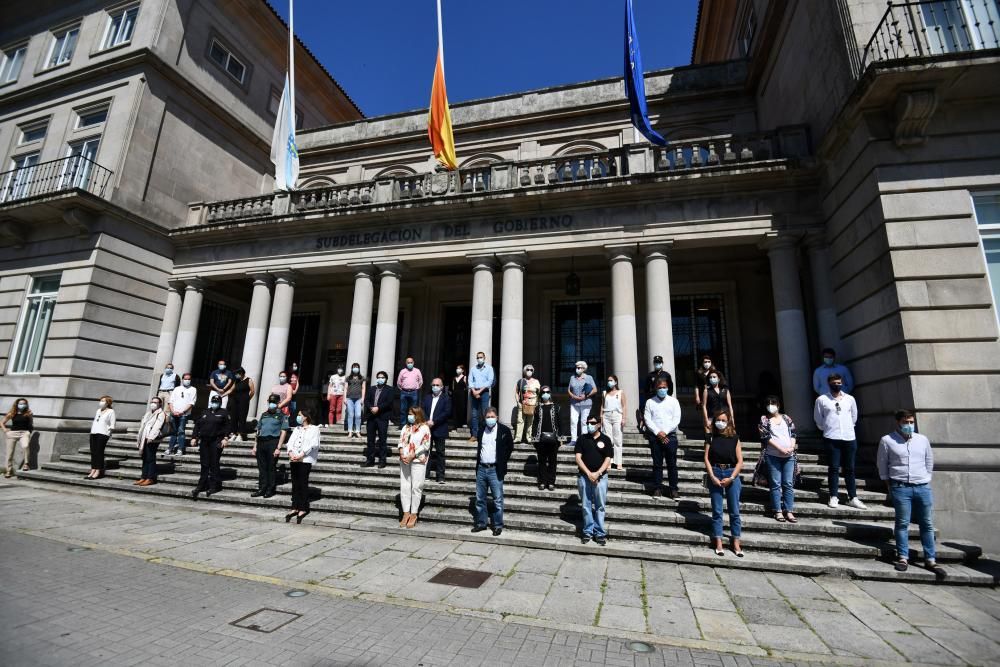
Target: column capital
<point>513,259</point>
<point>815,240</point>
<point>621,252</point>
<point>286,276</point>
<point>194,284</point>
<point>657,249</point>
<point>362,269</point>
<point>261,278</point>
<point>390,268</point>
<point>175,285</point>
<point>483,262</point>
<point>775,242</point>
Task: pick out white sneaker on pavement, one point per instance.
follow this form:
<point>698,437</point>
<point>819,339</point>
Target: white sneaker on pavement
<point>856,503</point>
<point>834,502</point>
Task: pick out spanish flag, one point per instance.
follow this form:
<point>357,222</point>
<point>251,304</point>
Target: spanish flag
<point>439,123</point>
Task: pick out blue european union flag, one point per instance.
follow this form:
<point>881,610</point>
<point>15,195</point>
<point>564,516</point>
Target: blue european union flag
<point>635,86</point>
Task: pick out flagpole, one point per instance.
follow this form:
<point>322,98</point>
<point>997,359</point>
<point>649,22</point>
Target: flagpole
<point>291,58</point>
<point>440,37</point>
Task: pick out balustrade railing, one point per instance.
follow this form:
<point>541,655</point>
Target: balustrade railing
<point>239,209</point>
<point>75,172</point>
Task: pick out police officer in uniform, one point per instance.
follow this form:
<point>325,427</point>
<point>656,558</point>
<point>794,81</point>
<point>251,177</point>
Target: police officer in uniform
<point>210,431</point>
<point>652,379</point>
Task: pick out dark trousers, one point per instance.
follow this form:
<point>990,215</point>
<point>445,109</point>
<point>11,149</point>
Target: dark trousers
<point>842,453</point>
<point>437,456</point>
<point>299,471</point>
<point>149,459</point>
<point>664,452</point>
<point>547,459</point>
<point>267,465</point>
<point>98,443</point>
<point>238,410</point>
<point>376,428</point>
<point>210,457</point>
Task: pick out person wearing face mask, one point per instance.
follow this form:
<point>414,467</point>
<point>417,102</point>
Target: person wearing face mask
<point>723,462</point>
<point>662,416</point>
<point>715,397</point>
<point>481,381</point>
<point>272,429</point>
<point>211,430</point>
<point>354,396</point>
<point>148,440</point>
<point>284,393</point>
<point>414,448</point>
<point>409,382</point>
<point>613,410</point>
<point>906,465</point>
<point>779,439</point>
<point>701,375</point>
<point>336,390</point>
<point>437,407</point>
<point>239,404</point>
<point>821,376</point>
<point>378,404</point>
<point>169,379</point>
<point>494,445</point>
<point>293,385</point>
<point>221,382</point>
<point>593,458</point>
<point>658,373</point>
<point>581,390</point>
<point>459,389</point>
<point>303,450</point>
<point>546,434</point>
<point>526,398</point>
<point>179,407</point>
<point>100,432</point>
<point>17,426</point>
<point>835,414</point>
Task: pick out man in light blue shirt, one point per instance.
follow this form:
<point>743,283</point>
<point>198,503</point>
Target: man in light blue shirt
<point>481,380</point>
<point>821,376</point>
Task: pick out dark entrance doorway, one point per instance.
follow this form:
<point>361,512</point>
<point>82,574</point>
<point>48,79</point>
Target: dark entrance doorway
<point>455,342</point>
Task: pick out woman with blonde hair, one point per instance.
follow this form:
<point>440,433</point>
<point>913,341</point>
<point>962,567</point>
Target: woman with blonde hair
<point>723,461</point>
<point>21,424</point>
<point>100,433</point>
<point>148,440</point>
<point>414,447</point>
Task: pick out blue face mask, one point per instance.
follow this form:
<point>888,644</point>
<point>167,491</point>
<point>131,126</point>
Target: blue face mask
<point>828,361</point>
<point>410,419</point>
<point>907,429</point>
<point>380,381</point>
<point>662,392</point>
<point>435,389</point>
<point>591,428</point>
<point>546,396</point>
<point>409,367</point>
<point>272,406</point>
<point>491,421</point>
<point>299,419</point>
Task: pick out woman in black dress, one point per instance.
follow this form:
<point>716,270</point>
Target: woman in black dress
<point>459,397</point>
<point>239,404</point>
<point>716,397</point>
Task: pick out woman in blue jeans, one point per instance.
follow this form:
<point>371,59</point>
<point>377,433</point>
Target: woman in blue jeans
<point>778,438</point>
<point>723,461</point>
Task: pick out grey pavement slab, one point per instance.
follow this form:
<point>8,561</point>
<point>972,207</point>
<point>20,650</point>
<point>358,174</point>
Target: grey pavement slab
<point>724,626</point>
<point>765,611</point>
<point>709,596</point>
<point>848,636</point>
<point>970,646</point>
<point>917,647</point>
<point>622,618</point>
<point>672,617</point>
<point>785,638</point>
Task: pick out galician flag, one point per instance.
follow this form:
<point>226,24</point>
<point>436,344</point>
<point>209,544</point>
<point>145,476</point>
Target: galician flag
<point>284,152</point>
<point>635,85</point>
<point>439,123</point>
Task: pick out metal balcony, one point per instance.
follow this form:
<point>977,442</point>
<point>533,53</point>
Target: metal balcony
<point>67,174</point>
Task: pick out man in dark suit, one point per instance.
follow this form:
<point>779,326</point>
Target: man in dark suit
<point>378,405</point>
<point>495,443</point>
<point>437,408</point>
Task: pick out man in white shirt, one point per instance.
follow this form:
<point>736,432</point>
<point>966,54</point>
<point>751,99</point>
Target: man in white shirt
<point>179,406</point>
<point>835,414</point>
<point>662,415</point>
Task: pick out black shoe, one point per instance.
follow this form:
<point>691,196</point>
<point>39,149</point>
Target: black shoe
<point>585,539</point>
<point>550,487</point>
<point>195,492</point>
<point>541,487</point>
<point>673,494</point>
<point>299,517</point>
<point>211,491</point>
<point>288,517</point>
<point>269,494</point>
<point>367,464</point>
<point>381,464</point>
<point>601,540</point>
<point>257,494</point>
<point>478,529</point>
<point>657,493</point>
<point>900,565</point>
<point>936,569</point>
<point>497,531</point>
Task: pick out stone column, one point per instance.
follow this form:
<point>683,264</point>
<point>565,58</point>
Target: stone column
<point>659,326</point>
<point>793,342</point>
<point>359,340</point>
<point>625,359</point>
<point>277,330</point>
<point>386,321</point>
<point>168,332</point>
<point>256,337</point>
<point>826,310</point>
<point>187,328</point>
<point>481,336</point>
<point>511,331</point>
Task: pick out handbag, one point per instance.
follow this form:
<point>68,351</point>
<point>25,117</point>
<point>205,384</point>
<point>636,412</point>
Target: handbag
<point>167,429</point>
<point>761,477</point>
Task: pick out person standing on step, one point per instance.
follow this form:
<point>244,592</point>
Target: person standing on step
<point>593,458</point>
<point>378,405</point>
<point>715,396</point>
<point>494,445</point>
<point>459,390</point>
<point>354,395</point>
<point>409,382</point>
<point>613,410</point>
<point>414,448</point>
<point>481,381</point>
<point>336,390</point>
<point>221,382</point>
<point>821,376</point>
<point>169,379</point>
<point>779,441</point>
<point>581,390</point>
<point>546,436</point>
<point>303,450</point>
<point>293,386</point>
<point>148,439</point>
<point>662,416</point>
<point>100,432</point>
<point>284,393</point>
<point>437,407</point>
<point>272,429</point>
<point>723,462</point>
<point>906,465</point>
<point>658,373</point>
<point>179,407</point>
<point>211,432</point>
<point>17,426</point>
<point>239,405</point>
<point>701,378</point>
<point>835,414</point>
<point>526,399</point>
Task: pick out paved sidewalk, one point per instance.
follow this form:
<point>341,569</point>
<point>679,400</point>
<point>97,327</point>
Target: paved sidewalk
<point>758,618</point>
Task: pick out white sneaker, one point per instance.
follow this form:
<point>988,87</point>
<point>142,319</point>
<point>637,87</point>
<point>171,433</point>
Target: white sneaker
<point>856,503</point>
<point>834,502</point>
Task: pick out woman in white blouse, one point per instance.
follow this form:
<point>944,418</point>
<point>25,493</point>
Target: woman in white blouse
<point>414,446</point>
<point>150,435</point>
<point>100,433</point>
<point>303,448</point>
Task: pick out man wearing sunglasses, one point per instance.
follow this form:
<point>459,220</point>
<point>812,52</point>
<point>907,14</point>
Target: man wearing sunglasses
<point>593,458</point>
<point>835,414</point>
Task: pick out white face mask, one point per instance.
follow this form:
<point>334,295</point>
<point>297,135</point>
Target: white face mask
<point>458,371</point>
<point>153,405</point>
<point>721,425</point>
<point>772,409</point>
<point>528,374</point>
<point>282,380</point>
<point>658,366</point>
<point>579,371</point>
<point>186,383</point>
<point>103,404</point>
<point>481,361</point>
<point>340,371</point>
<point>707,365</point>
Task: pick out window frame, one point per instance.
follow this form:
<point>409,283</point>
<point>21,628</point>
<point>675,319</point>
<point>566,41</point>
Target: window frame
<point>10,54</point>
<point>113,14</point>
<point>57,34</point>
<point>987,232</point>
<point>73,176</point>
<point>16,352</point>
<point>244,81</point>
<point>7,188</point>
<point>748,32</point>
<point>31,126</point>
<point>89,111</point>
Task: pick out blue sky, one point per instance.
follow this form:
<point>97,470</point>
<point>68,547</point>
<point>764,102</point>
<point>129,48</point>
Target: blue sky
<point>382,52</point>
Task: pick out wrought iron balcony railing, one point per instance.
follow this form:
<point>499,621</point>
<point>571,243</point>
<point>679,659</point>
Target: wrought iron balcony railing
<point>933,27</point>
<point>75,172</point>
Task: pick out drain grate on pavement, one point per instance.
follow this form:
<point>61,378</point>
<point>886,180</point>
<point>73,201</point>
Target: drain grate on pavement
<point>456,576</point>
<point>265,620</point>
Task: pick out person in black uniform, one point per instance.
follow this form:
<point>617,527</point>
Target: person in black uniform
<point>210,431</point>
<point>658,373</point>
<point>239,404</point>
<point>378,405</point>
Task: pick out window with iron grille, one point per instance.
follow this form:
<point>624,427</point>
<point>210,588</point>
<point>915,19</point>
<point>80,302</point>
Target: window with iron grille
<point>699,325</point>
<point>578,334</point>
<point>33,328</point>
<point>216,338</point>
